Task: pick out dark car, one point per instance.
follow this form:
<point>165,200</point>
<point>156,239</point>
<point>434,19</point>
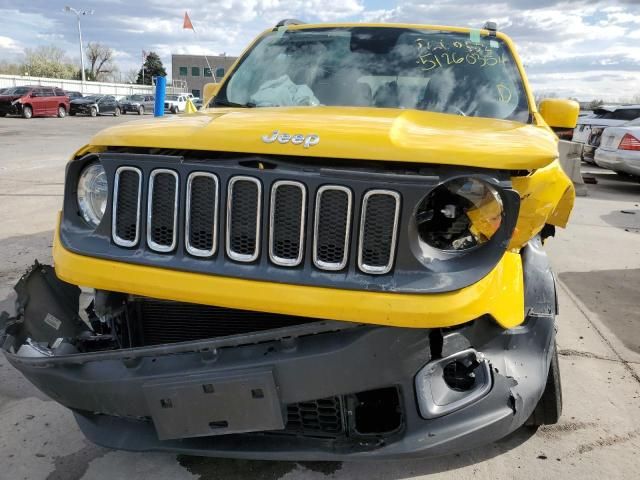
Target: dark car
<point>73,95</point>
<point>138,104</point>
<point>95,105</point>
<point>34,101</point>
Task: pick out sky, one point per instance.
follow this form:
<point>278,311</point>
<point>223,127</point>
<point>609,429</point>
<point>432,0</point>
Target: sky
<point>580,48</point>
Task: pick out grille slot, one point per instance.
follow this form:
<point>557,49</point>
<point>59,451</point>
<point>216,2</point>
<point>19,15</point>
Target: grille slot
<point>127,195</point>
<point>244,202</point>
<point>202,214</point>
<point>332,227</point>
<point>170,322</point>
<point>378,231</point>
<point>287,219</point>
<point>322,417</point>
<point>162,210</point>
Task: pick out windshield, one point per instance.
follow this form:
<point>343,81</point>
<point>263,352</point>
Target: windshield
<point>92,97</point>
<point>17,91</point>
<point>135,98</point>
<point>463,74</point>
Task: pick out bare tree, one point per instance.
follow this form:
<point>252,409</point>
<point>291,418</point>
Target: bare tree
<point>101,66</point>
<point>130,75</point>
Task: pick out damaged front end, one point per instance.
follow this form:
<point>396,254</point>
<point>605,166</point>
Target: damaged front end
<point>147,374</point>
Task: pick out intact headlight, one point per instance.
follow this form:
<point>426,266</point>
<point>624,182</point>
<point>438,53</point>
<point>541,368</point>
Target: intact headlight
<point>459,215</point>
<point>92,193</point>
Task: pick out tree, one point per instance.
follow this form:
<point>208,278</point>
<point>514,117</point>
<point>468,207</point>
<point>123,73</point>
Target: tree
<point>101,66</point>
<point>131,75</point>
<point>152,68</point>
<point>48,61</point>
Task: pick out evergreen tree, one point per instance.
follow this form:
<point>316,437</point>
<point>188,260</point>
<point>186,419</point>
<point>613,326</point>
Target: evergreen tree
<point>152,68</point>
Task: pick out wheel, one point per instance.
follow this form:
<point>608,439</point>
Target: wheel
<point>174,110</point>
<point>94,112</point>
<point>27,112</point>
<point>62,112</point>
<point>3,114</point>
<point>549,408</point>
<point>116,112</point>
<point>140,110</point>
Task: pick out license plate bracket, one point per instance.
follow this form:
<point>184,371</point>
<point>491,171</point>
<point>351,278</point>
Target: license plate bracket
<point>214,404</point>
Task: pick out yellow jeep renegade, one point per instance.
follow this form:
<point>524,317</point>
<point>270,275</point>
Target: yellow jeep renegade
<point>339,257</point>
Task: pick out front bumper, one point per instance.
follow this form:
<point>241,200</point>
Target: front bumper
<point>109,391</point>
<point>9,108</point>
<point>500,294</point>
<point>619,161</point>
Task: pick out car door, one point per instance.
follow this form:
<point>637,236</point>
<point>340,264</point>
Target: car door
<point>107,104</point>
<point>38,102</point>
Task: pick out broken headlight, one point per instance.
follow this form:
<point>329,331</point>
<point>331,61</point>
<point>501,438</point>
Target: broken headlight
<point>459,215</point>
<point>92,193</point>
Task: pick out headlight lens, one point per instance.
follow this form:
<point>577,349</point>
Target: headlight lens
<point>92,193</point>
<point>459,215</point>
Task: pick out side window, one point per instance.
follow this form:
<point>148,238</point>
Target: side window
<point>183,71</point>
<point>59,92</point>
<point>195,71</point>
<point>37,92</point>
<point>47,92</point>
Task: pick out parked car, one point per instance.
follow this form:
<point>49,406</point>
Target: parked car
<point>176,103</point>
<point>590,128</point>
<point>34,101</point>
<point>95,105</point>
<point>619,149</point>
<point>73,95</point>
<point>364,280</point>
<point>138,104</point>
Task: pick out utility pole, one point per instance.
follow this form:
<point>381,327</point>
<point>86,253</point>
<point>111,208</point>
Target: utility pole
<point>78,13</point>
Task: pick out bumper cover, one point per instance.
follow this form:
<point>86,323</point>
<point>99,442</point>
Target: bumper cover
<point>619,161</point>
<point>108,391</point>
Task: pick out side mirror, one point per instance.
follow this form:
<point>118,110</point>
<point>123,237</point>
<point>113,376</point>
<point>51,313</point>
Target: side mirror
<point>210,90</point>
<point>560,113</point>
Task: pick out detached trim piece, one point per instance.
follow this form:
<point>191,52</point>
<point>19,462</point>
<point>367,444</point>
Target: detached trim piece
<point>114,217</point>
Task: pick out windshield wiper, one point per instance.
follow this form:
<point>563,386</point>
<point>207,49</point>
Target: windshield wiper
<point>227,103</point>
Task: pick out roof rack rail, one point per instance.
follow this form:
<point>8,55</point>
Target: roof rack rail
<point>288,21</point>
<point>492,27</point>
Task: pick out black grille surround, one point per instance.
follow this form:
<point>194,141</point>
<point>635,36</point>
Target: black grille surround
<point>410,272</point>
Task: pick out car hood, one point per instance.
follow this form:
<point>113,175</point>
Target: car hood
<point>83,101</point>
<point>349,133</point>
<point>9,98</point>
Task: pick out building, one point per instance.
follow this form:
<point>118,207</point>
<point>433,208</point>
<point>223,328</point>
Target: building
<point>194,70</point>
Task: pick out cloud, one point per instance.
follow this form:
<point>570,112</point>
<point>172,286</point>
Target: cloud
<point>577,39</point>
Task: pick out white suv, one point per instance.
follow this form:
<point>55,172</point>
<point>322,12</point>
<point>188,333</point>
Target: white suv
<point>176,103</point>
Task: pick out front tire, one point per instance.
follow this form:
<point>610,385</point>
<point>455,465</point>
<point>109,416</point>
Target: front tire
<point>175,110</point>
<point>549,408</point>
<point>27,112</point>
<point>94,112</point>
<point>116,112</point>
<point>141,110</point>
<point>62,112</point>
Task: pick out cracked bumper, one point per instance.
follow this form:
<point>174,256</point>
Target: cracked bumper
<point>109,391</point>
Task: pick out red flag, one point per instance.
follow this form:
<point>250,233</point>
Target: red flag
<point>187,22</point>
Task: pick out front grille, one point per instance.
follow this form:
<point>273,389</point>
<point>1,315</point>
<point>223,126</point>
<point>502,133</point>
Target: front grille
<point>202,214</point>
<point>316,417</point>
<point>126,206</point>
<point>378,229</point>
<point>288,201</point>
<point>162,210</point>
<point>161,322</point>
<point>284,212</point>
<point>243,218</point>
<point>332,227</point>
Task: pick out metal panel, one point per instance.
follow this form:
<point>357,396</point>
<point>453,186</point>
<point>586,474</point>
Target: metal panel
<point>117,203</point>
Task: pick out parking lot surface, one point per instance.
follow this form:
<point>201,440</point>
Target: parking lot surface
<point>597,260</point>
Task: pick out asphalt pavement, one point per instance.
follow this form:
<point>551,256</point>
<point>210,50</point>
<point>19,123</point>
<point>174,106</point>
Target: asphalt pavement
<point>597,260</point>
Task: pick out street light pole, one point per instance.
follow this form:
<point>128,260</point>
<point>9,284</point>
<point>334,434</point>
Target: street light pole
<point>67,8</point>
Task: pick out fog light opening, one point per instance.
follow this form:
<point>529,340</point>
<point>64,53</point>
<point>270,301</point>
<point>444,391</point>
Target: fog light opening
<point>459,375</point>
<point>376,412</point>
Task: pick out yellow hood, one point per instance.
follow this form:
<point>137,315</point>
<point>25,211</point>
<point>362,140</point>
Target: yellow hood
<point>351,133</point>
